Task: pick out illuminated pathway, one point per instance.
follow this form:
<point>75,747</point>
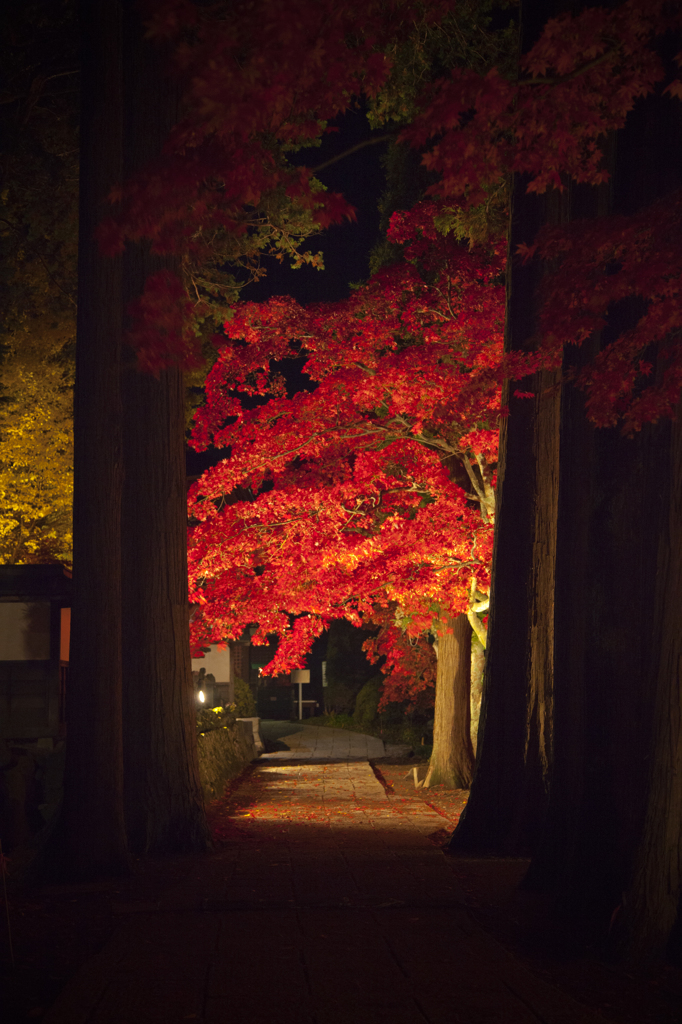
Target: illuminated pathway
<point>315,742</point>
<point>326,904</point>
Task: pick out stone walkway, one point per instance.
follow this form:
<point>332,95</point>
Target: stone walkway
<point>326,904</point>
<point>319,743</point>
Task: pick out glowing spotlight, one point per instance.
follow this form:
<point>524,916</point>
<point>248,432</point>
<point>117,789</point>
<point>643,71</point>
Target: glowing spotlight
<point>202,696</point>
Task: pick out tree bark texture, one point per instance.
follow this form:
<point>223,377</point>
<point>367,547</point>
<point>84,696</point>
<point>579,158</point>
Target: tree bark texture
<point>650,905</point>
<point>508,796</point>
<point>90,836</point>
<point>163,797</point>
<point>614,817</point>
<point>452,760</point>
<point>477,670</point>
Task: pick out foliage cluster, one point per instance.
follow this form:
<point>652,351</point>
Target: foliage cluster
<point>210,719</point>
<point>245,702</point>
<point>359,503</point>
<point>38,245</point>
<point>36,453</point>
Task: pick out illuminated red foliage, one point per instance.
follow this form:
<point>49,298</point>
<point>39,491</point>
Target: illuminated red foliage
<point>358,498</point>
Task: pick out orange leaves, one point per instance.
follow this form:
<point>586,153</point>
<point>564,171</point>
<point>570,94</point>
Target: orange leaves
<point>267,79</point>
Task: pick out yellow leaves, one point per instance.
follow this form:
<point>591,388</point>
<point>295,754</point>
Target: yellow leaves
<point>36,448</point>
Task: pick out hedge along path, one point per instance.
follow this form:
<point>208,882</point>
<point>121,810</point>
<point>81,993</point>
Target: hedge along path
<point>325,903</point>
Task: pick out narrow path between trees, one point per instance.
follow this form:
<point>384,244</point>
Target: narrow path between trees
<point>325,903</point>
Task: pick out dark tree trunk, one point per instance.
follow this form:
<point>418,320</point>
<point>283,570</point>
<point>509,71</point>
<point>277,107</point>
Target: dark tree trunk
<point>163,797</point>
<point>614,819</point>
<point>452,760</point>
<point>652,900</point>
<point>509,792</point>
<point>607,549</point>
<point>90,837</point>
<point>515,744</point>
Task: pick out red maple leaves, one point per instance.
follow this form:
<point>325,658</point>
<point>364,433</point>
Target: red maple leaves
<point>375,489</point>
<point>582,78</point>
<point>628,267</point>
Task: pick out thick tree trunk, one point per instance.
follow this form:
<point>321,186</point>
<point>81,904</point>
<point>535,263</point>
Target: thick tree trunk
<point>452,760</point>
<point>164,804</point>
<point>508,796</point>
<point>163,797</point>
<point>651,902</point>
<point>612,835</point>
<point>571,642</point>
<point>90,837</point>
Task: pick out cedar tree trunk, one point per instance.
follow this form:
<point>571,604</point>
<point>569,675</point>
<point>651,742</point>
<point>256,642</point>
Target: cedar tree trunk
<point>508,796</point>
<point>452,760</point>
<point>515,751</point>
<point>611,846</point>
<point>651,903</point>
<point>89,839</point>
<point>163,797</point>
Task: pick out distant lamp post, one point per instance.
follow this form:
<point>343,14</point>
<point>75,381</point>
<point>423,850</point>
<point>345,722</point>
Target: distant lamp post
<point>202,696</point>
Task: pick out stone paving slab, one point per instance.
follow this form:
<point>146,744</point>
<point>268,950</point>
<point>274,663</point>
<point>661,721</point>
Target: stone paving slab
<point>330,907</point>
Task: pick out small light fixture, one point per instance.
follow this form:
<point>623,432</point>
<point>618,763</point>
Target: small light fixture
<point>202,696</point>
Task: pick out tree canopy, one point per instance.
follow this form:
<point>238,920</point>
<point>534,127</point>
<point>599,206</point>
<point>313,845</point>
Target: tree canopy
<point>38,246</point>
<point>375,488</point>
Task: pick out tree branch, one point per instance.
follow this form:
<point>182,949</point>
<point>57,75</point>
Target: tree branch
<point>354,149</point>
<point>573,74</point>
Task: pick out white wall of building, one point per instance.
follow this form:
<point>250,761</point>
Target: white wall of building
<point>24,631</point>
<point>216,662</point>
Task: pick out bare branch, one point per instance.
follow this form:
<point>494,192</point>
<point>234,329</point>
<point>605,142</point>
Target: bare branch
<point>354,149</point>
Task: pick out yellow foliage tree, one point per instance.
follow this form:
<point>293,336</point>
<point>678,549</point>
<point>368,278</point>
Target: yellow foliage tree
<point>36,446</point>
<point>38,249</point>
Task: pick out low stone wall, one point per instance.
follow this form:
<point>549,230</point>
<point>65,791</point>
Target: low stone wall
<point>31,777</point>
<point>223,753</point>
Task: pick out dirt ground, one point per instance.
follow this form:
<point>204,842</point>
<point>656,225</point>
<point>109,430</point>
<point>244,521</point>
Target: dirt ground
<point>55,929</point>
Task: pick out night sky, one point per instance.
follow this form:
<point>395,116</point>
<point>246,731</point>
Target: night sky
<point>346,247</point>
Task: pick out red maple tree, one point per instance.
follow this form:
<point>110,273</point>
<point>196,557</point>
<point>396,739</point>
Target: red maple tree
<point>374,490</point>
<point>261,80</point>
<point>258,87</point>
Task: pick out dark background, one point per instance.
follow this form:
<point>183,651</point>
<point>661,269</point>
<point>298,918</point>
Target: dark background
<point>346,247</point>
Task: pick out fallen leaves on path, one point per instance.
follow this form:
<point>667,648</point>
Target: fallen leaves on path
<point>268,801</point>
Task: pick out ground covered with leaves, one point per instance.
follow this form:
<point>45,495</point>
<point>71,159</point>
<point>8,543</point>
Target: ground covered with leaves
<point>55,929</point>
